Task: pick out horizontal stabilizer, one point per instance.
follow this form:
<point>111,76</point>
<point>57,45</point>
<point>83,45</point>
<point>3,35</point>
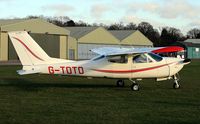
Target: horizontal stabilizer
<point>25,72</point>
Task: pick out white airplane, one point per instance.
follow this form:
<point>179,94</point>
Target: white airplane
<point>120,63</point>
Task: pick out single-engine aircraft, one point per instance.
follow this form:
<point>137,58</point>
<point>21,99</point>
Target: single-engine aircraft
<point>120,63</point>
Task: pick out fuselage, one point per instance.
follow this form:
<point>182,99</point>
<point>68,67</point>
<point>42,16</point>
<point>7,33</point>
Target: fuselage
<point>106,67</point>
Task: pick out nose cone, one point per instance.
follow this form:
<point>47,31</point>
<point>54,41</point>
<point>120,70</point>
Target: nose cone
<point>186,61</point>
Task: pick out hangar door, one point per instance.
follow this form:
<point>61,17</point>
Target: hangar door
<point>85,53</point>
<point>50,43</point>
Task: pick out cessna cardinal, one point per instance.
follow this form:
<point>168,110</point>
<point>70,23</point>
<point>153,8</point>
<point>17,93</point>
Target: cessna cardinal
<point>119,63</point>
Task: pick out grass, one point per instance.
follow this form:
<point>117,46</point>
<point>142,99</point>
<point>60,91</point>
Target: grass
<point>46,99</point>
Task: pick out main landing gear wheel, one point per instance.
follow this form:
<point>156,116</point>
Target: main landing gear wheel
<point>120,83</point>
<point>176,84</point>
<point>135,87</point>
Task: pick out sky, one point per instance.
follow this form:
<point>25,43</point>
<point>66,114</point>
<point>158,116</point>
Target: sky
<point>181,14</point>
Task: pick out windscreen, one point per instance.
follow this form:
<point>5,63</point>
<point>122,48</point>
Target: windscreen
<point>155,57</point>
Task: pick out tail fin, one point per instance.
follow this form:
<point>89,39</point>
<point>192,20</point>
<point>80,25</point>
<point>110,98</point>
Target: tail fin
<point>29,52</point>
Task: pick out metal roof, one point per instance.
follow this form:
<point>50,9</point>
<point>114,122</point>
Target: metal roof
<point>33,25</point>
<point>121,34</point>
<point>78,32</point>
<point>4,22</point>
<point>194,41</point>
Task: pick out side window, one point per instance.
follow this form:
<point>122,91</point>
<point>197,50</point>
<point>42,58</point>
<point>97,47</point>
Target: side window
<point>118,59</point>
<point>141,58</point>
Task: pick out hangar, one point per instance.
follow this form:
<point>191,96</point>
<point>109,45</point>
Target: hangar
<point>51,38</point>
<point>131,38</point>
<point>69,42</point>
<point>87,38</point>
<point>192,48</point>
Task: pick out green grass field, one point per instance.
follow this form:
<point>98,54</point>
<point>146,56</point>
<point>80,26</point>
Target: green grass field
<point>65,100</point>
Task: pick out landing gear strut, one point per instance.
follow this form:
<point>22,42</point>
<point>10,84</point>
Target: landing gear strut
<point>120,83</point>
<point>176,84</point>
<point>134,86</point>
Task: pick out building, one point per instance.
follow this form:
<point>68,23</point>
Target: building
<point>87,38</point>
<point>51,38</point>
<point>131,38</point>
<point>192,48</point>
<point>83,39</point>
<point>72,43</point>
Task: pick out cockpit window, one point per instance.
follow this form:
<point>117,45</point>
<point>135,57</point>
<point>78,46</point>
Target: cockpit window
<point>141,58</point>
<point>155,57</point>
<point>118,59</point>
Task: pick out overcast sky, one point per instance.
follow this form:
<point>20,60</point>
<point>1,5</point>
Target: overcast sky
<point>182,14</point>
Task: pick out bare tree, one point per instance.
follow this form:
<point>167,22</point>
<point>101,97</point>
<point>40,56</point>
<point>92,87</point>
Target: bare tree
<point>130,26</point>
<point>193,33</point>
<point>170,35</point>
<point>116,26</point>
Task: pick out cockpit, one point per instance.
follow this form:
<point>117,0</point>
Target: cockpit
<point>135,58</point>
<point>146,58</point>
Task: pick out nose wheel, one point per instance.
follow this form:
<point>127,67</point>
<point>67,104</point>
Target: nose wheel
<point>134,86</point>
<point>176,86</point>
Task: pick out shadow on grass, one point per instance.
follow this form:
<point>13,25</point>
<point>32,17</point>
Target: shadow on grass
<point>31,85</point>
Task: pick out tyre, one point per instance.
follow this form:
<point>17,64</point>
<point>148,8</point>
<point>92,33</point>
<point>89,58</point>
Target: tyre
<point>120,83</point>
<point>135,87</point>
<point>176,86</point>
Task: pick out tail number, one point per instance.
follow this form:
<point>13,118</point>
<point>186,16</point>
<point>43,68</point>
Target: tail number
<point>66,70</point>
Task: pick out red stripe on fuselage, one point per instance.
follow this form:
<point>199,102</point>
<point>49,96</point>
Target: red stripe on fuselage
<point>28,48</point>
<point>130,71</point>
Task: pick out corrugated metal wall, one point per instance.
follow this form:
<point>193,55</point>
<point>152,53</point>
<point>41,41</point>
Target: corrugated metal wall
<point>84,50</point>
<point>193,52</point>
<point>4,46</point>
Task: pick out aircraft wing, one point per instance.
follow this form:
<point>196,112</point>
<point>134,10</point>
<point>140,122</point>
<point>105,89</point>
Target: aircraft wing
<point>111,51</point>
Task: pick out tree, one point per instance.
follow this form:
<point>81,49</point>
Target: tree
<point>82,24</point>
<point>151,33</point>
<point>130,26</point>
<point>57,22</point>
<point>116,26</point>
<point>170,35</point>
<point>69,23</point>
<point>145,28</point>
<point>113,27</point>
<point>193,33</point>
<point>32,17</point>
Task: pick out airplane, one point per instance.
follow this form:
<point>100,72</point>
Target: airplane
<point>111,62</point>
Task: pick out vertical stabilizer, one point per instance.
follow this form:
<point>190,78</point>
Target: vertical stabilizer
<point>29,52</point>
